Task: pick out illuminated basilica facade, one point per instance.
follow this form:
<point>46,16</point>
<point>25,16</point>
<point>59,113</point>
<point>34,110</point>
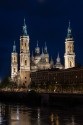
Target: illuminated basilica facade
<point>38,61</point>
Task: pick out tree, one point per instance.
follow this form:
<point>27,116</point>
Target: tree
<point>6,83</point>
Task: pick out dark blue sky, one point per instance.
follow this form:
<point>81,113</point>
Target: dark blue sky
<point>47,20</point>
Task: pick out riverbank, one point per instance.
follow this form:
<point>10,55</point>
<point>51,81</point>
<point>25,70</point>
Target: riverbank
<point>42,99</point>
<point>31,98</point>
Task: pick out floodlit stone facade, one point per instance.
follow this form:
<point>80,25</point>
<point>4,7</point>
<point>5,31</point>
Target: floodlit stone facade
<point>14,62</point>
<point>69,56</point>
<point>38,60</point>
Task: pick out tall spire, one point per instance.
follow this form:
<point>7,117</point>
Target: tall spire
<point>42,52</point>
<point>51,61</point>
<point>24,28</point>
<point>42,56</point>
<point>58,63</point>
<point>45,49</point>
<point>14,47</point>
<point>69,33</point>
<point>37,49</point>
<point>58,58</point>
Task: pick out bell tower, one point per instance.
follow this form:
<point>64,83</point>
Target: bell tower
<point>14,62</point>
<point>69,56</point>
<point>24,57</point>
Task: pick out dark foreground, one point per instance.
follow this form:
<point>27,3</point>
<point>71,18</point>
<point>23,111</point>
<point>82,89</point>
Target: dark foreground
<point>42,99</point>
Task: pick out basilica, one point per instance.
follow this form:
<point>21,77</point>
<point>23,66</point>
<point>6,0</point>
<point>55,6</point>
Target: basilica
<point>38,61</point>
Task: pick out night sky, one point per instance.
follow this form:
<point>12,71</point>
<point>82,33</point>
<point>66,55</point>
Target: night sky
<point>47,20</point>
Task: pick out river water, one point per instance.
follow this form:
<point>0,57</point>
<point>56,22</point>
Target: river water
<point>17,114</point>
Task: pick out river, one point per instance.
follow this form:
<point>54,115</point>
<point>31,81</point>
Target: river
<point>19,114</point>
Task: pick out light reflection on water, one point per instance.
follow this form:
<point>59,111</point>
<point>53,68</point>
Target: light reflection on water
<point>23,115</point>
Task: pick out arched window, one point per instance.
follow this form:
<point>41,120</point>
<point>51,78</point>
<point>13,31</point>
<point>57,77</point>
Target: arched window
<point>25,44</point>
<point>25,62</point>
<point>70,64</point>
<point>14,70</point>
<point>14,59</point>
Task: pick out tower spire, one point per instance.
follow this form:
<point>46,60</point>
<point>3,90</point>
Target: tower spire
<point>24,28</point>
<point>58,58</point>
<point>37,49</point>
<point>69,33</point>
<point>42,56</point>
<point>42,52</point>
<point>45,49</point>
<point>14,63</point>
<point>69,56</point>
<point>14,47</point>
<point>51,62</point>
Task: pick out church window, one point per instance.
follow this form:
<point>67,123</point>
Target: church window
<point>68,49</point>
<point>25,62</point>
<point>25,44</point>
<point>14,59</point>
<point>14,70</point>
<point>70,64</point>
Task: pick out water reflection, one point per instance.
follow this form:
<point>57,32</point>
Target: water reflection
<point>38,118</point>
<point>23,115</point>
<point>73,123</point>
<point>1,118</point>
<point>19,116</point>
<point>54,119</point>
<point>57,119</point>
